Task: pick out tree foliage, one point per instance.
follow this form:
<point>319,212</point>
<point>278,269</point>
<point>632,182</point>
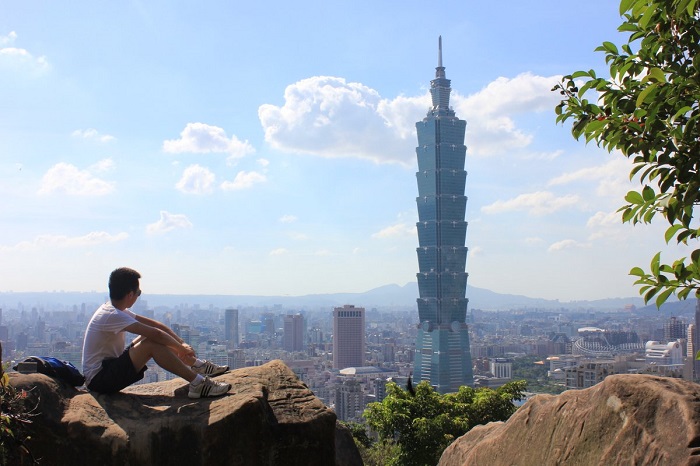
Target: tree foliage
<point>423,424</point>
<point>648,109</point>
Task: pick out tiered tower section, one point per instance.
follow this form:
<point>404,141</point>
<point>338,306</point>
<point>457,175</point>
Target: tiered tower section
<point>442,347</point>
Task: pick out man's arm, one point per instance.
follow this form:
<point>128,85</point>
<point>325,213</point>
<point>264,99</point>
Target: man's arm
<point>158,325</point>
<point>159,336</point>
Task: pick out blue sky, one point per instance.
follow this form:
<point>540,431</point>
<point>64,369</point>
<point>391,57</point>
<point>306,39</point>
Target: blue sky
<point>269,147</point>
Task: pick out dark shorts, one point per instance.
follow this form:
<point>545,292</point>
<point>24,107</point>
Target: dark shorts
<point>116,373</point>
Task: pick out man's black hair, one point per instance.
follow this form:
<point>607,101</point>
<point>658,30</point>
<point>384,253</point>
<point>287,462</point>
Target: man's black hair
<point>122,281</point>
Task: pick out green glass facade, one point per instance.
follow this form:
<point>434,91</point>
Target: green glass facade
<point>442,347</point>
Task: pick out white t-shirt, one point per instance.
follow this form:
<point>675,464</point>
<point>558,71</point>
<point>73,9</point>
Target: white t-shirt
<point>105,337</point>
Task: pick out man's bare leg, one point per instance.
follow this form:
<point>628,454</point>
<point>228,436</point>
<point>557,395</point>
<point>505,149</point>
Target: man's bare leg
<point>145,350</point>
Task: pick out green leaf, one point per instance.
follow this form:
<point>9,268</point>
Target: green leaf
<point>671,232</point>
<point>649,91</point>
<point>655,74</point>
<point>648,193</point>
<point>663,297</point>
<point>625,5</point>
<point>633,197</point>
<point>637,272</point>
<point>610,47</point>
<point>655,264</point>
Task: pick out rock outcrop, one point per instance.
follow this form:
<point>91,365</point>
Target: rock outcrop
<point>624,420</point>
<point>269,418</point>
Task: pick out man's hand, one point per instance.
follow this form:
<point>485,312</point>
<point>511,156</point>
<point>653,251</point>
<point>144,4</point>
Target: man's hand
<point>186,352</point>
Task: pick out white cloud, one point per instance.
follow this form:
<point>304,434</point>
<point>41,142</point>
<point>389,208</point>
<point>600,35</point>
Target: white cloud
<point>92,134</point>
<point>606,225</point>
<point>329,117</point>
<point>288,218</point>
<point>397,230</point>
<point>8,39</point>
<point>200,138</point>
<point>612,177</point>
<point>604,219</point>
<point>537,203</point>
<point>476,251</point>
<point>567,244</point>
<point>546,156</point>
<point>322,253</point>
<point>263,162</point>
<point>196,180</point>
<point>491,129</point>
<point>168,222</point>
<point>243,180</point>
<point>102,166</point>
<point>66,178</point>
<point>278,252</point>
<point>533,241</point>
<point>60,241</point>
<point>18,59</point>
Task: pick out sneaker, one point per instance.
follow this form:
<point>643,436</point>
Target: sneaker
<point>210,369</point>
<point>208,388</point>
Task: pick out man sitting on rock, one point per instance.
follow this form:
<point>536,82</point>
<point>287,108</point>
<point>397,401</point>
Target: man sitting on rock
<point>108,366</point>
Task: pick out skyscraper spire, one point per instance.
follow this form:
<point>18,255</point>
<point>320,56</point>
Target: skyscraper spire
<point>440,87</point>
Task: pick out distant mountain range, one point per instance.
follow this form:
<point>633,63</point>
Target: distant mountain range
<point>385,296</point>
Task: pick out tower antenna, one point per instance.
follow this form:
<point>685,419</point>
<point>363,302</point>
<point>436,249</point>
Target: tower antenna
<point>439,51</point>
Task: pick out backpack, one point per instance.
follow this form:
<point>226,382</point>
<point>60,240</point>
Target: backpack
<point>62,370</point>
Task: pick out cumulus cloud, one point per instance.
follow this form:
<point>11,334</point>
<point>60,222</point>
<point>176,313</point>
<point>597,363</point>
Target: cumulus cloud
<point>397,230</point>
<point>60,241</point>
<point>196,180</point>
<point>537,203</point>
<point>102,166</point>
<point>278,252</point>
<point>612,177</point>
<point>329,117</point>
<point>91,134</point>
<point>567,244</point>
<point>606,225</point>
<point>69,179</point>
<point>18,59</point>
<point>288,218</point>
<point>244,180</point>
<point>489,112</point>
<point>604,219</point>
<point>168,222</point>
<point>476,251</point>
<point>200,138</point>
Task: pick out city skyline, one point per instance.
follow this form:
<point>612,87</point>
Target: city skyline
<point>270,149</point>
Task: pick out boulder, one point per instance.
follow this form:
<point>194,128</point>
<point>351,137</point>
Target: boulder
<point>268,418</point>
<point>624,420</point>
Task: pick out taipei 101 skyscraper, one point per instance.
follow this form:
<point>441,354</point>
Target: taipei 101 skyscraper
<point>442,347</point>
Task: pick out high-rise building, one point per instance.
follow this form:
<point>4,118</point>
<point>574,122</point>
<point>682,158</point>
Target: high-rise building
<point>442,354</point>
<point>674,329</point>
<point>293,332</point>
<point>348,337</point>
<point>349,401</point>
<point>231,328</point>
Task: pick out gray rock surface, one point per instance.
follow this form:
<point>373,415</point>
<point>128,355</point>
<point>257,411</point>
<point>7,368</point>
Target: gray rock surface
<point>268,418</point>
<point>624,420</point>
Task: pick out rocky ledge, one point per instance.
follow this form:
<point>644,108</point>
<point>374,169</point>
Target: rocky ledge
<point>268,418</point>
<point>624,420</point>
